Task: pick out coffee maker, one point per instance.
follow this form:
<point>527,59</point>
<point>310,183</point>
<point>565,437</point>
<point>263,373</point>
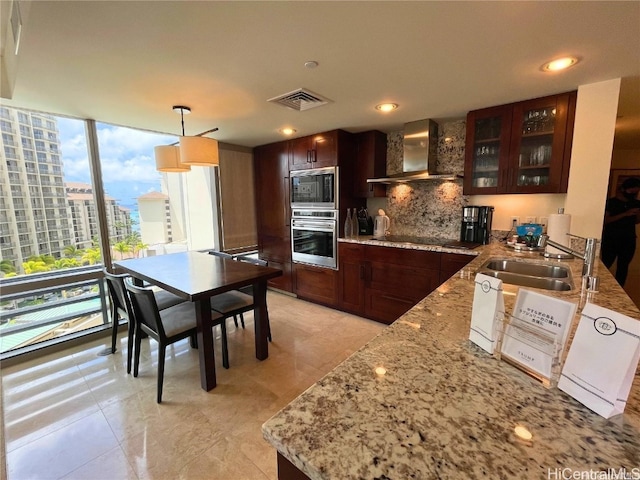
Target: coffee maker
<point>476,224</point>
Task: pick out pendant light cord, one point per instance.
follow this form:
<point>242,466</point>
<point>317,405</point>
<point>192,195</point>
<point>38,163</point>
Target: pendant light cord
<point>182,109</point>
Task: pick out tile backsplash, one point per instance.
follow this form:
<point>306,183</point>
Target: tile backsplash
<point>434,208</point>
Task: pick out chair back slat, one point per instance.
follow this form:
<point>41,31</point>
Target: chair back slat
<point>117,292</point>
<point>220,254</point>
<point>146,309</point>
<point>252,260</point>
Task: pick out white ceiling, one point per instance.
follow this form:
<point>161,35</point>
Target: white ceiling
<point>127,63</point>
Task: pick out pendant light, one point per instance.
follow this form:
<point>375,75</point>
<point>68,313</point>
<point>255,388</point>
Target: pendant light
<point>196,150</point>
<point>168,159</point>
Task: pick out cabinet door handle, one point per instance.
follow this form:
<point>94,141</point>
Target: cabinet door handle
<point>361,272</point>
<point>314,156</point>
<point>308,156</point>
<point>287,203</point>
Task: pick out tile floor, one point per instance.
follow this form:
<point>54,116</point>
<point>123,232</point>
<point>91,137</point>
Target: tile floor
<point>76,415</point>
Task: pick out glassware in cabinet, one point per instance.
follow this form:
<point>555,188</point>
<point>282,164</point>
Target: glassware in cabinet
<point>487,143</point>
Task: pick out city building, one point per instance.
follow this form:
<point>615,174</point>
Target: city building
<point>34,216</point>
<point>40,213</point>
<point>84,217</point>
<point>155,218</point>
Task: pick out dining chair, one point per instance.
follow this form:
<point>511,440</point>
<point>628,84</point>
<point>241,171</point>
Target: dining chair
<point>121,309</point>
<point>233,303</point>
<point>248,290</point>
<point>166,327</point>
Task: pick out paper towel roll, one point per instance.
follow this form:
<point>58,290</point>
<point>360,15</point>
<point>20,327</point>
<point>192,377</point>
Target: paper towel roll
<point>557,229</point>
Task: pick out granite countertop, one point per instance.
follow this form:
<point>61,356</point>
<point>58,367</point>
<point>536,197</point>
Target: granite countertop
<point>447,409</point>
<point>430,245</point>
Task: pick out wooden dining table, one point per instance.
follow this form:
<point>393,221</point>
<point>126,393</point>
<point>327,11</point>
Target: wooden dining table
<point>197,276</point>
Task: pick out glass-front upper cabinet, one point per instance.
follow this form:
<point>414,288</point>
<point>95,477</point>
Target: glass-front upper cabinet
<point>539,142</point>
<point>487,149</point>
<point>523,147</point>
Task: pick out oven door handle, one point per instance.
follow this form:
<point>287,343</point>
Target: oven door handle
<point>312,226</point>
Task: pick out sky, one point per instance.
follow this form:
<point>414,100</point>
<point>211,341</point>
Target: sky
<point>126,156</point>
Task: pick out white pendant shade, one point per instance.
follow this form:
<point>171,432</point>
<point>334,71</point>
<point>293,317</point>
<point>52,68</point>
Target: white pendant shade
<point>168,159</point>
<point>199,151</point>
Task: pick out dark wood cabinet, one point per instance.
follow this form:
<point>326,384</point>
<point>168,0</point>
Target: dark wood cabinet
<point>351,277</point>
<point>450,263</point>
<point>316,283</point>
<point>271,165</point>
<point>397,279</point>
<point>382,283</point>
<point>314,151</point>
<point>371,162</point>
<point>523,147</point>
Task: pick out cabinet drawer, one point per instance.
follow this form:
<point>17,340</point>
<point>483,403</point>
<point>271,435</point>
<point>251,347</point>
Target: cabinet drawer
<point>316,284</point>
<point>351,251</point>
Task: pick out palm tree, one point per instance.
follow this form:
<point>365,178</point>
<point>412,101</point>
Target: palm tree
<point>139,246</point>
<point>133,238</point>
<point>91,256</point>
<point>122,247</point>
<point>65,263</point>
<point>7,267</point>
<point>72,251</point>
<point>35,266</point>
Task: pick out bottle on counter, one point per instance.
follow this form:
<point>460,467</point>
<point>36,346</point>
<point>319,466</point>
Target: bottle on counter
<point>348,225</point>
<point>355,226</point>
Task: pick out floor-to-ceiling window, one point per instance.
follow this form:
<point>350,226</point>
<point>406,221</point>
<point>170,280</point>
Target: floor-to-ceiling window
<point>137,202</point>
<point>64,209</point>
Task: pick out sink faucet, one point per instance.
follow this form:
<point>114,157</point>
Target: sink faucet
<point>588,257</point>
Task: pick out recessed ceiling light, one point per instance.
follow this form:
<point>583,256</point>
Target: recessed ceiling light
<point>311,64</point>
<point>387,107</point>
<point>559,64</point>
<point>287,131</point>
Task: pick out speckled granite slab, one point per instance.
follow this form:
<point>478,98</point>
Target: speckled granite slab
<point>446,409</point>
<point>369,240</point>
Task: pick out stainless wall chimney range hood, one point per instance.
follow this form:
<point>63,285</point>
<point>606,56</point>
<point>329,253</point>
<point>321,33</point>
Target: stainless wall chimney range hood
<point>420,154</point>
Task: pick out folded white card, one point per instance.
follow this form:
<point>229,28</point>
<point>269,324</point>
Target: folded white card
<point>537,331</point>
<point>488,308</point>
<point>602,360</point>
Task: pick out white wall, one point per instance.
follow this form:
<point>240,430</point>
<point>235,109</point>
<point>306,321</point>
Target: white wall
<point>507,206</point>
<point>201,208</point>
<point>593,134</point>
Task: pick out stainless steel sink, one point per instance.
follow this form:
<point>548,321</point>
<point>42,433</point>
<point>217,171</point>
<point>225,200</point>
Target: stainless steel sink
<point>530,281</point>
<point>528,274</point>
<point>526,268</point>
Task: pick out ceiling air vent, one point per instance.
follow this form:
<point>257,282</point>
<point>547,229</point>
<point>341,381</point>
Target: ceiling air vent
<point>300,100</point>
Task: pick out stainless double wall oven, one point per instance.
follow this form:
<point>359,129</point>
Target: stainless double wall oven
<point>314,216</point>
